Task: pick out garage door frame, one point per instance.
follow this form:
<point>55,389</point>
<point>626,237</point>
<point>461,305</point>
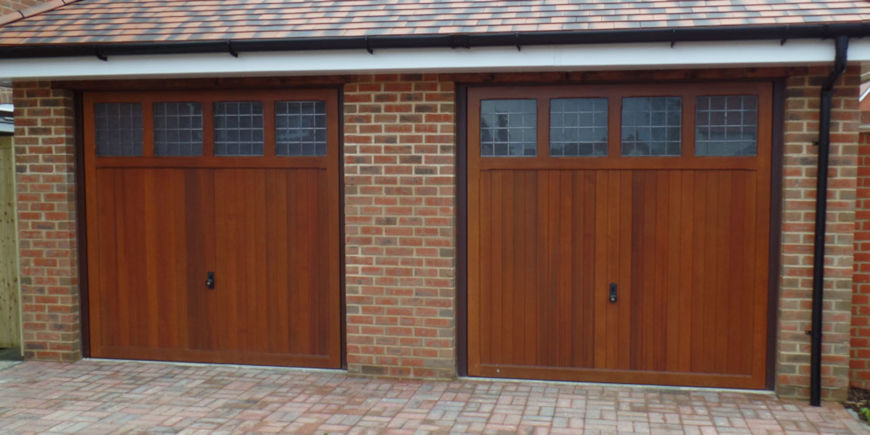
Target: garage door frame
<point>775,196</point>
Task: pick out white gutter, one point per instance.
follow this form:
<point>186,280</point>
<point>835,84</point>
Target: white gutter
<point>717,54</point>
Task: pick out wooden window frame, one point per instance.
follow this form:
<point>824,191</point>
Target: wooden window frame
<point>614,93</point>
<point>207,98</point>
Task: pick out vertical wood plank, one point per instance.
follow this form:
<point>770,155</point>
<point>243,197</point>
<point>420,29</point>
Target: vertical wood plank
<point>10,320</point>
<point>199,242</point>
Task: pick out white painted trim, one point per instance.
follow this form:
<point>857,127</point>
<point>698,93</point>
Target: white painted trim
<point>720,54</point>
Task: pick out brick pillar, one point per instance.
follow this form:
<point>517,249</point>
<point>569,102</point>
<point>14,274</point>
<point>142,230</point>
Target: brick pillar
<point>399,150</point>
<point>799,172</point>
<point>45,166</point>
<point>860,333</point>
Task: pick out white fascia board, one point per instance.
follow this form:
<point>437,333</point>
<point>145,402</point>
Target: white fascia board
<point>718,54</point>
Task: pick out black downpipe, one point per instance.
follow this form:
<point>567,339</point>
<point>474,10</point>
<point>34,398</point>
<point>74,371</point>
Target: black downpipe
<point>821,218</point>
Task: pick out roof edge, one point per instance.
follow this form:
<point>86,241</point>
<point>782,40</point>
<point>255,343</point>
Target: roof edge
<point>34,10</point>
<point>373,42</point>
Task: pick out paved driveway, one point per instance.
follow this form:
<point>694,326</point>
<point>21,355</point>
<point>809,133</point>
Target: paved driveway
<point>102,396</point>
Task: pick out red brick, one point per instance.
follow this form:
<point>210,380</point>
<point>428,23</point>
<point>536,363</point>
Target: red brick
<point>44,205</point>
<point>399,209</point>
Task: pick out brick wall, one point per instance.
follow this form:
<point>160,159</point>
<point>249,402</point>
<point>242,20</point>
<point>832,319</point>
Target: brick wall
<point>860,333</point>
<point>399,225</point>
<point>399,147</point>
<point>44,145</point>
<point>799,171</point>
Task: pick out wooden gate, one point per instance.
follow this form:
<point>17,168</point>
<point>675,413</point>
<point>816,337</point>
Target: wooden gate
<point>620,233</point>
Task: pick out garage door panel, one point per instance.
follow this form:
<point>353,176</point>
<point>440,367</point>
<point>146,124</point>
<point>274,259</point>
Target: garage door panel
<point>273,220</point>
<point>106,305</point>
<point>576,266</point>
<point>199,219</point>
<point>719,280</point>
<point>649,262</point>
<point>539,262</point>
<point>240,261</point>
<point>165,258</point>
<point>306,295</point>
<point>724,275</point>
<point>612,236</point>
<point>148,226</point>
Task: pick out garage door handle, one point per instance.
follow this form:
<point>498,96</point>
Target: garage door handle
<point>209,282</point>
<point>613,293</point>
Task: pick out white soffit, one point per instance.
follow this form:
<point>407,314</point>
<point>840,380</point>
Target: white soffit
<point>722,54</point>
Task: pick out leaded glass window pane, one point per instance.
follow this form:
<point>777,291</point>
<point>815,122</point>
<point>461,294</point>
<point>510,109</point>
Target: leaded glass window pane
<point>578,127</point>
<point>508,128</point>
<point>118,129</point>
<point>726,125</point>
<point>651,126</point>
<point>238,128</point>
<point>300,128</point>
<point>177,129</point>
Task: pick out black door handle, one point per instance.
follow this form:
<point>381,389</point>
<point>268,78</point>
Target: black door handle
<point>613,293</point>
<point>209,282</point>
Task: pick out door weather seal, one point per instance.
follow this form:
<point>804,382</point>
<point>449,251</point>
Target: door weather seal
<point>827,93</point>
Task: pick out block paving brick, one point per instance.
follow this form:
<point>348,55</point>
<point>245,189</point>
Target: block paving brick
<point>105,396</point>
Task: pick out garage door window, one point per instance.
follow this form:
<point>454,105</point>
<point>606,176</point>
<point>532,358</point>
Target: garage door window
<point>651,126</point>
<point>178,129</point>
<point>238,128</point>
<point>508,128</point>
<point>300,128</point>
<point>118,129</point>
<point>578,127</point>
<point>726,125</point>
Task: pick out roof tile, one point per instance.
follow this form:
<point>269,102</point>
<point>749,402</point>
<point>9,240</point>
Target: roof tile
<point>142,21</point>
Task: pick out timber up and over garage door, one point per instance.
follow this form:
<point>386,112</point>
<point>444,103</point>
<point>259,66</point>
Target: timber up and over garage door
<point>212,222</point>
<point>620,233</point>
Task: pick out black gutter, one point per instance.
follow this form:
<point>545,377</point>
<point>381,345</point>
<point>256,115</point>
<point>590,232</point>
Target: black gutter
<point>827,93</point>
<point>374,42</point>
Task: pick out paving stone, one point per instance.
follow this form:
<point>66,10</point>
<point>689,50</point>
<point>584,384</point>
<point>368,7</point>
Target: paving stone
<point>107,397</point>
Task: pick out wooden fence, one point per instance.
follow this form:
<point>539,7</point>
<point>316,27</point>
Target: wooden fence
<point>10,333</point>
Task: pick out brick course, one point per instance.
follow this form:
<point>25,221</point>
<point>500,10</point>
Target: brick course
<point>798,214</point>
<point>45,167</point>
<point>399,151</point>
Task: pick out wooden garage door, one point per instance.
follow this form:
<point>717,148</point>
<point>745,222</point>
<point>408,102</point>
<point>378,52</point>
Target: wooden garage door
<point>212,222</point>
<point>620,233</point>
